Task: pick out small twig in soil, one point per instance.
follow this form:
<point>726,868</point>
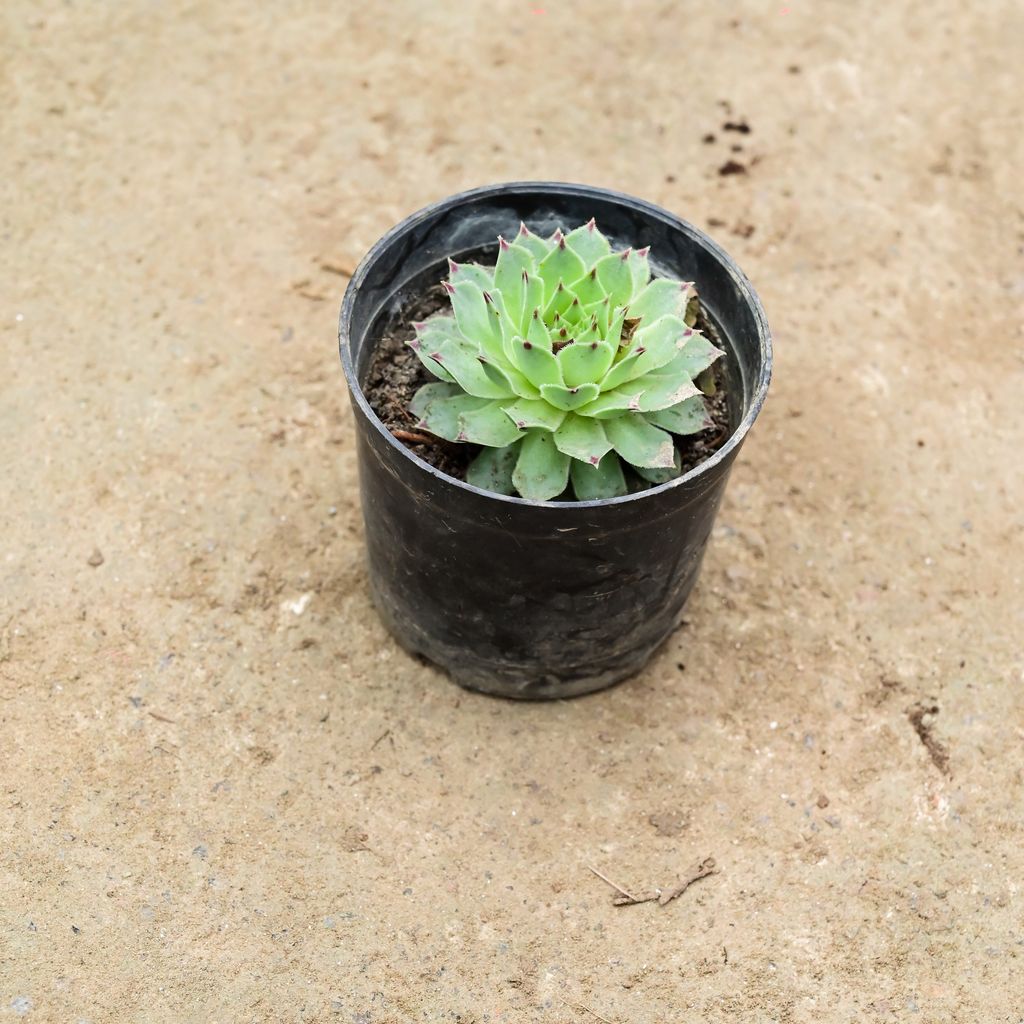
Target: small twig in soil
<point>412,437</point>
<point>587,1009</point>
<point>615,885</point>
<point>162,718</point>
<point>664,896</point>
<point>702,870</point>
<point>383,736</point>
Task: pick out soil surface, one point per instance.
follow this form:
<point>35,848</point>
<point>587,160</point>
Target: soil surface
<point>396,373</point>
<point>226,795</point>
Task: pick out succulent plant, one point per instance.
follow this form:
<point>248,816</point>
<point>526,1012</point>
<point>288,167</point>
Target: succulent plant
<point>561,359</point>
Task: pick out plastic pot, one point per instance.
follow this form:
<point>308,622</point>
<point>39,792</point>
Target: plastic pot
<point>538,599</point>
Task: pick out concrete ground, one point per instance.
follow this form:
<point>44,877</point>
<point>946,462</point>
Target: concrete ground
<point>225,795</point>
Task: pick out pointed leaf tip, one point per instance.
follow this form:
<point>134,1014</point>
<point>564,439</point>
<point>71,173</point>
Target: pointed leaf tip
<point>592,224</point>
<point>448,287</point>
<point>502,244</point>
<point>625,254</point>
<point>643,252</point>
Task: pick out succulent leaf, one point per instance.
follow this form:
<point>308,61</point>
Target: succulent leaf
<point>515,264</point>
<point>622,371</point>
<point>583,438</point>
<point>576,346</point>
<point>429,393</point>
<point>662,390</point>
<point>562,397</point>
<point>542,471</point>
<point>528,240</point>
<point>488,425</point>
<point>639,269</point>
<point>661,476</point>
<point>527,413</point>
<point>610,404</point>
<point>697,355</point>
<point>588,243</point>
<point>492,469</point>
<point>471,313</point>
<point>594,483</point>
<point>616,277</point>
<point>638,442</point>
<point>688,417</point>
<point>558,302</point>
<point>658,344</point>
<point>560,264</point>
<point>459,273</point>
<point>441,415</point>
<point>462,362</point>
<point>538,365</point>
<point>585,361</point>
<point>588,289</point>
<point>660,298</point>
<point>511,379</point>
<point>534,299</point>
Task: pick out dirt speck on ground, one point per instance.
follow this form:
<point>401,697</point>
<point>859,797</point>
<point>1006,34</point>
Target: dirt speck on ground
<point>171,397</point>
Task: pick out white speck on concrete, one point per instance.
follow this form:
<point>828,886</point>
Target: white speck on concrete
<point>299,605</point>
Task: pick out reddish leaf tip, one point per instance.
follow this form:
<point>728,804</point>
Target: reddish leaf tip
<point>591,224</point>
<point>643,252</point>
<point>436,356</point>
<point>625,253</point>
<point>448,287</point>
<point>453,266</point>
<point>502,244</point>
<point>594,460</point>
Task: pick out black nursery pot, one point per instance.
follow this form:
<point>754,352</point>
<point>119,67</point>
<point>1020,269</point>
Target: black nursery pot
<point>538,599</point>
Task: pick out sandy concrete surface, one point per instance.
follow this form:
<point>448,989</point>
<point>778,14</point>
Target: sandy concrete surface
<point>225,795</point>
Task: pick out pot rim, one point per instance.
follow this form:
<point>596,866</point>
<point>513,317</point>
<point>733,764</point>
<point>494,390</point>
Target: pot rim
<point>743,286</point>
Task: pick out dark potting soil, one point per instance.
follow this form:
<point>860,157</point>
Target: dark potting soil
<point>395,375</point>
